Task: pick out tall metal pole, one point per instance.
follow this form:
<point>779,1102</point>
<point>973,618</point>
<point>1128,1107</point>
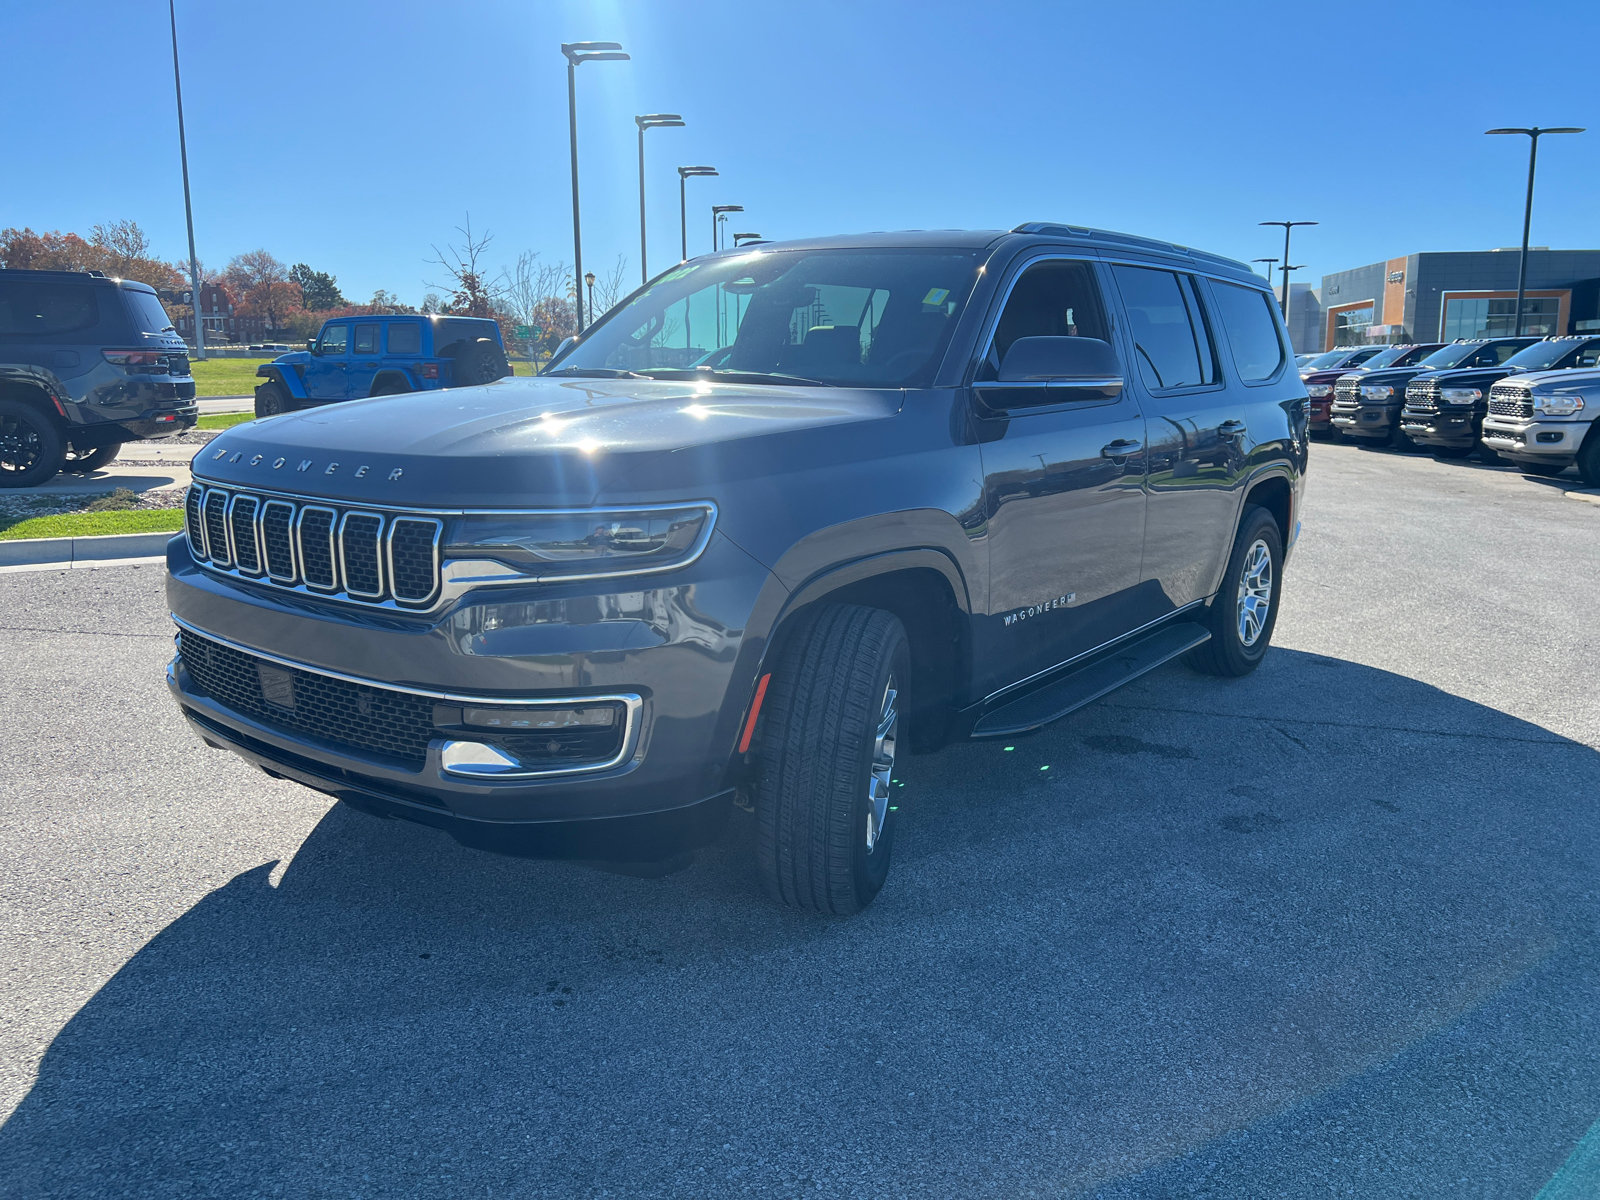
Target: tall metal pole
<point>188,210</point>
<point>683,213</point>
<point>1527,223</point>
<point>1287,226</point>
<point>644,271</point>
<point>577,236</point>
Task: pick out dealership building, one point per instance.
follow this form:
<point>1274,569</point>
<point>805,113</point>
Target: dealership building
<point>1445,296</point>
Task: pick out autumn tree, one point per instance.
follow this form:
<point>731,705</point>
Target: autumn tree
<point>540,294</point>
<point>471,293</point>
<point>119,249</point>
<point>320,291</point>
<point>261,284</point>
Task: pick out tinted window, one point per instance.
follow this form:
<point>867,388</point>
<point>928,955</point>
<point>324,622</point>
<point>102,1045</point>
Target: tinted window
<point>1448,356</point>
<point>448,333</point>
<point>405,338</point>
<point>366,339</point>
<point>43,309</point>
<point>1414,355</point>
<point>146,311</point>
<point>1252,328</point>
<point>1324,361</point>
<point>335,339</point>
<point>1164,337</point>
<point>1493,356</point>
<point>1385,358</point>
<point>1051,299</point>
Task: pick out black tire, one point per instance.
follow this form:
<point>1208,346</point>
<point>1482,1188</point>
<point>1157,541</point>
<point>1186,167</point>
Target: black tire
<point>271,400</point>
<point>1488,457</point>
<point>31,447</point>
<point>1545,469</point>
<point>390,387</point>
<point>479,362</point>
<point>1589,459</point>
<point>1401,441</point>
<point>817,846</point>
<point>1227,653</point>
<point>86,462</point>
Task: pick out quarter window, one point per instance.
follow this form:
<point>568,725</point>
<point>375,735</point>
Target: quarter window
<point>405,338</point>
<point>1247,315</point>
<point>335,339</point>
<point>1169,339</point>
<point>41,309</point>
<point>1055,298</point>
<point>366,339</point>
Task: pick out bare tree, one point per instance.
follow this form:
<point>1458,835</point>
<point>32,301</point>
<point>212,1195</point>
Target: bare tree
<point>263,284</point>
<point>471,294</point>
<point>609,288</point>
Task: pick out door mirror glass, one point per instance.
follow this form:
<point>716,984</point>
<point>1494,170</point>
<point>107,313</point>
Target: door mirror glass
<point>1077,368</point>
<point>311,346</point>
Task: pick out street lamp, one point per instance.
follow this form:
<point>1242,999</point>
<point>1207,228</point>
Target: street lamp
<point>716,215</point>
<point>1287,226</point>
<point>188,212</point>
<point>1527,211</point>
<point>576,53</point>
<point>1269,262</point>
<point>649,121</point>
<point>589,279</point>
<point>683,211</point>
<point>742,237</point>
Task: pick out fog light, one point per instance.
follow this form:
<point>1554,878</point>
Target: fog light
<point>1552,437</point>
<point>474,758</point>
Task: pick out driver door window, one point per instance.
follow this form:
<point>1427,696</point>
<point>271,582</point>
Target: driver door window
<point>335,339</point>
<point>1052,299</point>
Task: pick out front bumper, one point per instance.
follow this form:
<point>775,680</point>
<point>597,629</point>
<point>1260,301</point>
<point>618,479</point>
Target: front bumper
<point>1375,421</point>
<point>1538,441</point>
<point>677,648</point>
<point>1444,427</point>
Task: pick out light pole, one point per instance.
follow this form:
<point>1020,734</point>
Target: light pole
<point>1287,226</point>
<point>1269,262</point>
<point>581,52</point>
<point>188,211</point>
<point>589,279</point>
<point>649,121</point>
<point>743,237</point>
<point>683,210</point>
<point>1527,211</point>
<point>716,215</point>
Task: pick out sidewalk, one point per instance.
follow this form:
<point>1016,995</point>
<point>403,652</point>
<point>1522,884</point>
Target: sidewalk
<point>227,404</point>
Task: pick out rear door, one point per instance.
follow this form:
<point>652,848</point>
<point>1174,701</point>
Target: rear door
<point>326,377</point>
<point>1063,488</point>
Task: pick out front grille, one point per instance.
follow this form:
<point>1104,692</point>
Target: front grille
<point>1490,431</point>
<point>1347,391</point>
<point>391,724</point>
<point>1510,400</point>
<point>381,721</point>
<point>356,555</point>
<point>1424,397</point>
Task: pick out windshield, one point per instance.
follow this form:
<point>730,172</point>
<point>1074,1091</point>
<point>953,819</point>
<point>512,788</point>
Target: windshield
<point>1384,357</point>
<point>1450,355</point>
<point>1330,359</point>
<point>850,318</point>
<point>148,315</point>
<point>1540,355</point>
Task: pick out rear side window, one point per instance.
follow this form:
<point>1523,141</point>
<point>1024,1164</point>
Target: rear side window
<point>1169,335</point>
<point>47,309</point>
<point>448,333</point>
<point>1252,328</point>
<point>1055,298</point>
<point>405,338</point>
<point>335,339</point>
<point>366,339</point>
<point>146,311</point>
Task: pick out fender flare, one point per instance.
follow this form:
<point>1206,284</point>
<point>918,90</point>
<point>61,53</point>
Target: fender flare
<point>289,381</point>
<point>394,373</point>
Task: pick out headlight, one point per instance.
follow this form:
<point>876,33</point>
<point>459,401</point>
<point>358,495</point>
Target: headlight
<point>1561,404</point>
<point>1319,390</point>
<point>585,544</point>
<point>1460,395</point>
<point>1376,391</point>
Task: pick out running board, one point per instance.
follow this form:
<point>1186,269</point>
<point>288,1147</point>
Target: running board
<point>1088,683</point>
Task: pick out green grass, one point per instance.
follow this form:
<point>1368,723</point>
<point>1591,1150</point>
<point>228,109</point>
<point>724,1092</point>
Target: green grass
<point>223,420</point>
<point>225,376</point>
<point>139,520</point>
<point>524,368</point>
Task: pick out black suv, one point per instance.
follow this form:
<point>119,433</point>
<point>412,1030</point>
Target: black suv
<point>939,485</point>
<point>1445,408</point>
<point>86,363</point>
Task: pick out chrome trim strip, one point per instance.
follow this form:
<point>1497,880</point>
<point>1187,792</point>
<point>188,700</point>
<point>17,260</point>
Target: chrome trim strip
<point>227,536</point>
<point>198,492</point>
<point>632,702</point>
<point>294,563</point>
<point>1010,687</point>
<point>333,551</point>
<point>388,554</point>
<point>377,556</point>
<point>255,526</point>
<point>420,510</point>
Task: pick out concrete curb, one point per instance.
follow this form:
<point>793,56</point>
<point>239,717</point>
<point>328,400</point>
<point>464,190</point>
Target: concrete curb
<point>1588,495</point>
<point>104,550</point>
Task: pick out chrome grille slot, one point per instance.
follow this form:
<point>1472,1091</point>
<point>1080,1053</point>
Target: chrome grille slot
<point>216,521</point>
<point>194,520</point>
<point>315,527</point>
<point>360,554</point>
<point>242,512</point>
<point>277,541</point>
<point>414,558</point>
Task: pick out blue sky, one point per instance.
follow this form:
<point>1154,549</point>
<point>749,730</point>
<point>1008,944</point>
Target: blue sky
<point>356,135</point>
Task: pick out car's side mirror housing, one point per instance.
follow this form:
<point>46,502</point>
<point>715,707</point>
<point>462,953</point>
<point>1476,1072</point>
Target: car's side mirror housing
<point>311,346</point>
<point>1074,368</point>
<point>566,342</point>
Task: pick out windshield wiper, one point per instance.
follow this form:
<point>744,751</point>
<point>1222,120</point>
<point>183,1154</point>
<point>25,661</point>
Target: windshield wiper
<point>731,376</point>
<point>597,373</point>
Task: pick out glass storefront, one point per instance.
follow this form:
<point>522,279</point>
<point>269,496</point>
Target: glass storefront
<point>1350,326</point>
<point>1470,317</point>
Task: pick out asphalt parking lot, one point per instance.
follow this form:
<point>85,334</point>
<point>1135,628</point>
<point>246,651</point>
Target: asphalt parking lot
<point>1333,929</point>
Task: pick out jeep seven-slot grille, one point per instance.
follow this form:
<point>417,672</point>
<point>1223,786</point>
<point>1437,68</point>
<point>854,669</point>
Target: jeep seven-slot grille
<point>353,554</point>
<point>1423,397</point>
<point>1510,400</point>
<point>377,720</point>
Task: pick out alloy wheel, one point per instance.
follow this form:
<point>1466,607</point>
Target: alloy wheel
<point>882,765</point>
<point>1255,592</point>
<point>19,445</point>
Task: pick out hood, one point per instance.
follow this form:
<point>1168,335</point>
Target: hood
<point>1579,377</point>
<point>1330,375</point>
<point>1391,376</point>
<point>294,356</point>
<point>540,441</point>
<point>1464,375</point>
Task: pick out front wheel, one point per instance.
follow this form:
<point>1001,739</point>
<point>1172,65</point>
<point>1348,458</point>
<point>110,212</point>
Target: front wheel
<point>271,400</point>
<point>833,717</point>
<point>1244,611</point>
<point>1452,452</point>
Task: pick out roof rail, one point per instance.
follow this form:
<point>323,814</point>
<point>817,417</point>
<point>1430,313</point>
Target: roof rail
<point>1056,229</point>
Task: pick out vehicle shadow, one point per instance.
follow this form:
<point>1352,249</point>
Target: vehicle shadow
<point>1325,922</point>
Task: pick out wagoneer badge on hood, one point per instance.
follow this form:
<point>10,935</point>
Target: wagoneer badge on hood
<point>305,464</point>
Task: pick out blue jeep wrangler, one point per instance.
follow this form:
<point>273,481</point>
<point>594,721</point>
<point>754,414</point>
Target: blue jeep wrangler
<point>356,357</point>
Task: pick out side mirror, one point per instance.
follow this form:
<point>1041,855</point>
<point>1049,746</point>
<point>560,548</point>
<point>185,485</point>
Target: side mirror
<point>1075,368</point>
<point>311,346</point>
<point>566,344</point>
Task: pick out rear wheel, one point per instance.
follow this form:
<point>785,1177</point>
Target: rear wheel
<point>479,362</point>
<point>31,448</point>
<point>271,400</point>
<point>1244,611</point>
<point>86,462</point>
<point>390,387</point>
<point>829,730</point>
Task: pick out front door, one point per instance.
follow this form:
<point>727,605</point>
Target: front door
<point>325,372</point>
<point>1063,489</point>
<point>363,360</point>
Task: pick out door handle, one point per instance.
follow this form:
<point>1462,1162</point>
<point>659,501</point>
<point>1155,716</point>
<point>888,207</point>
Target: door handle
<point>1121,448</point>
<point>1230,429</point>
